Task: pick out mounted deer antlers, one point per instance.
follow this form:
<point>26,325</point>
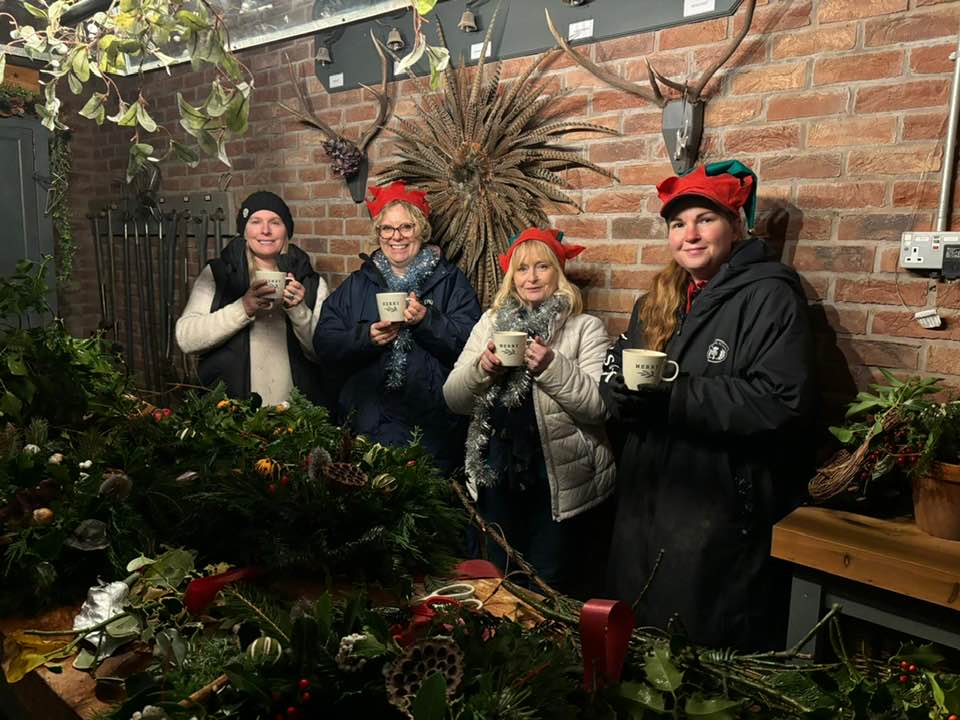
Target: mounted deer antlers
<point>349,160</point>
<point>682,118</point>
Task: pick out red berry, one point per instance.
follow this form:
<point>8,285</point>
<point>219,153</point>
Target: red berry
<point>411,463</point>
<point>904,679</point>
<point>275,696</point>
<point>953,717</point>
<point>292,712</point>
<point>285,480</point>
<point>912,669</point>
<point>303,684</point>
<point>272,489</point>
<point>305,697</point>
<point>167,412</point>
<point>157,415</point>
<point>904,665</point>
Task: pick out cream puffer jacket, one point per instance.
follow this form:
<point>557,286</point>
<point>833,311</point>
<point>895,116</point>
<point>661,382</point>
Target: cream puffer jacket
<point>566,399</point>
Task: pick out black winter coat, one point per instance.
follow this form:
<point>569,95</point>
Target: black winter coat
<point>726,458</point>
<point>342,342</point>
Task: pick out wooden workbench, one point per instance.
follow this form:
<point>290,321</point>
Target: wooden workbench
<point>888,572</point>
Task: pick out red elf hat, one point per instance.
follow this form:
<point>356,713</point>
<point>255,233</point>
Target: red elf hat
<point>549,237</point>
<point>729,184</point>
<point>382,195</point>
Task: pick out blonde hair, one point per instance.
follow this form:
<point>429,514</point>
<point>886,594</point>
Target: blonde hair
<point>423,232</point>
<point>534,250</point>
<point>658,313</point>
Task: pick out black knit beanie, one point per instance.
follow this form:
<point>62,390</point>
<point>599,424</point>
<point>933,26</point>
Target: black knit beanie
<point>264,200</point>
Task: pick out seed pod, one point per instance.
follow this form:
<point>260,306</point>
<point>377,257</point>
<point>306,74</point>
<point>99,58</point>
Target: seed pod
<point>265,650</point>
<point>42,516</point>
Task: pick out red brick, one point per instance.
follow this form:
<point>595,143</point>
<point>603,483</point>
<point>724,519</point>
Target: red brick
<point>948,295</point>
<point>775,17</point>
<point>911,193</point>
<point>616,324</point>
<point>837,10</point>
<point>910,28</point>
<point>584,276</point>
<point>699,33</point>
<point>851,131</point>
<point>618,151</point>
<point>761,139</point>
<point>812,42</point>
<point>880,292</point>
<point>841,195</point>
<point>901,96</point>
<point>636,228</point>
<point>932,60</point>
<point>864,226</point>
<point>834,258</point>
<point>615,253</point>
<point>723,112</point>
<point>625,47</point>
<point>582,178</point>
<point>879,354</point>
<point>850,321</point>
<point>344,246</point>
<point>918,159</point>
<point>579,227</point>
<point>618,100</point>
<point>943,359</point>
<point>752,51</point>
<point>632,279</point>
<point>610,300</point>
<point>642,123</point>
<point>924,127</point>
<point>788,166</point>
<point>814,288</point>
<point>655,253</point>
<point>669,65</point>
<point>772,78</point>
<point>646,174</point>
<point>902,324</point>
<point>329,263</point>
<point>798,105</point>
<point>859,66</point>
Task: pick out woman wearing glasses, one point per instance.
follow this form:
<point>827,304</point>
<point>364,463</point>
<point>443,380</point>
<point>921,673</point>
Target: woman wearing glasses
<point>394,372</point>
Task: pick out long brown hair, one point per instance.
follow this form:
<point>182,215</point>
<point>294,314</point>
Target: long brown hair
<point>658,313</point>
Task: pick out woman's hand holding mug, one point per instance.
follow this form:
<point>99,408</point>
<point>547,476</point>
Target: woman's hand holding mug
<point>415,310</point>
<point>490,363</point>
<point>538,356</point>
<point>383,332</point>
<point>258,296</point>
<point>293,292</point>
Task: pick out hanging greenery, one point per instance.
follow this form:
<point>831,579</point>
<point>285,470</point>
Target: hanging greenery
<point>488,156</point>
<point>120,42</point>
<point>58,205</point>
<point>16,101</point>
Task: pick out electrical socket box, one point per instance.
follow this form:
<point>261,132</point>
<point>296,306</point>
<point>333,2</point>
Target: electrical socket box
<point>931,251</point>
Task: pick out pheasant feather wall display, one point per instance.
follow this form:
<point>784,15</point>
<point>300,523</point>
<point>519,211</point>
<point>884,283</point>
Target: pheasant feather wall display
<point>489,155</point>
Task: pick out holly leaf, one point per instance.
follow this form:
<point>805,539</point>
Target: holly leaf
<point>16,366</point>
<point>711,708</point>
<point>642,694</point>
<point>924,656</point>
<point>660,670</point>
<point>431,700</point>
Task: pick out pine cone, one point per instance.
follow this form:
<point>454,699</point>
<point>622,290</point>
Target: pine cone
<point>345,156</point>
<point>407,672</point>
<point>346,474</point>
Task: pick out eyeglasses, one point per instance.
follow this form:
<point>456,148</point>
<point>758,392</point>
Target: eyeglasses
<point>388,231</point>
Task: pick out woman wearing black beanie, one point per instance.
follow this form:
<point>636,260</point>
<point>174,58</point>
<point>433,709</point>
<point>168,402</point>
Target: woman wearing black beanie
<point>252,331</point>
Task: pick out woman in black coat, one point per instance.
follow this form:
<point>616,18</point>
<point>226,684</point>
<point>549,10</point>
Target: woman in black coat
<point>714,459</point>
<point>394,372</point>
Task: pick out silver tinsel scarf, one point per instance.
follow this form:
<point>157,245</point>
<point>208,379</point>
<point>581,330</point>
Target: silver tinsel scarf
<point>418,271</point>
<point>511,390</point>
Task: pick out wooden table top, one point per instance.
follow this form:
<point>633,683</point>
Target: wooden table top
<point>893,555</point>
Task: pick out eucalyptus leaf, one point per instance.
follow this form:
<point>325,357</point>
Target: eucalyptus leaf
<point>238,111</point>
<point>145,121</point>
<point>184,154</point>
<point>34,10</point>
<point>643,694</point>
<point>81,64</point>
<point>661,671</point>
<point>124,627</point>
<point>84,660</point>
<point>76,87</point>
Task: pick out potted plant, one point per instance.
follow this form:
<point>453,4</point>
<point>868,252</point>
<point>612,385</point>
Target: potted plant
<point>901,438</point>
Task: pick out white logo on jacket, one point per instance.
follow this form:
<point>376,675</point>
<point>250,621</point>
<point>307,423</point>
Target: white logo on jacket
<point>718,351</point>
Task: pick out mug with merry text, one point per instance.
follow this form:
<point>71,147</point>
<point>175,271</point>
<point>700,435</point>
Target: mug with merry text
<point>391,306</point>
<point>510,347</point>
<point>274,279</point>
<point>645,367</point>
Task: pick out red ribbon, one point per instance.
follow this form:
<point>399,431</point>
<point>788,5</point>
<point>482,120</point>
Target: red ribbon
<point>605,627</point>
<point>200,593</point>
<point>421,614</point>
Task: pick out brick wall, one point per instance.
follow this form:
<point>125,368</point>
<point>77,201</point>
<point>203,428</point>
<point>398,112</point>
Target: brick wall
<point>839,105</point>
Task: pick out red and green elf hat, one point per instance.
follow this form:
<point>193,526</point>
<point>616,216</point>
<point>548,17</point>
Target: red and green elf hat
<point>549,237</point>
<point>728,183</point>
<point>383,195</point>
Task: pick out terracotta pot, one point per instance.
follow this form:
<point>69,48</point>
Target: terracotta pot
<point>936,501</point>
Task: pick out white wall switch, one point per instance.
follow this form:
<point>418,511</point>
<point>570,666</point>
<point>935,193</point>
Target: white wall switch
<point>580,30</point>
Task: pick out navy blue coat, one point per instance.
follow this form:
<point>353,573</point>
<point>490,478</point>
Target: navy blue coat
<point>342,342</point>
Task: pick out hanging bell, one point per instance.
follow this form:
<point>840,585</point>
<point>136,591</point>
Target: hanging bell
<point>395,40</point>
<point>468,23</point>
<point>323,55</point>
<point>575,3</point>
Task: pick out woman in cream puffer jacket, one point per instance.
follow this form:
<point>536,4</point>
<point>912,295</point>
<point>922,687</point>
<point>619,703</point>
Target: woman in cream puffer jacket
<point>537,455</point>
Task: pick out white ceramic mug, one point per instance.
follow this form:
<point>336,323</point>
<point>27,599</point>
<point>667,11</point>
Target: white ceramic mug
<point>391,306</point>
<point>275,279</point>
<point>510,347</point>
<point>645,367</point>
